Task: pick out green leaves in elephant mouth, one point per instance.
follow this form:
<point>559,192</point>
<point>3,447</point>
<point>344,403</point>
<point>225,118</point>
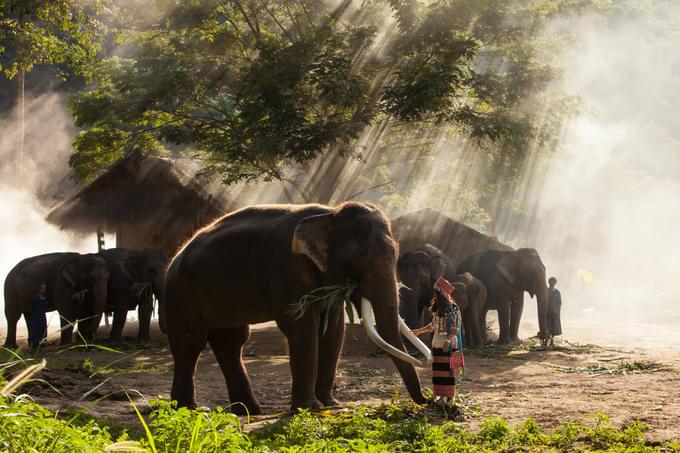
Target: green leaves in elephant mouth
<point>327,296</point>
<point>79,297</point>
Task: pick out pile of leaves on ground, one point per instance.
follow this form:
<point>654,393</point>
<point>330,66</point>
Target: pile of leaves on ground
<point>624,368</point>
<point>26,426</point>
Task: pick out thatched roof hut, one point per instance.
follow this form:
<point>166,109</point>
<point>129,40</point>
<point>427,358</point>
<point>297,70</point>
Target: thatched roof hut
<point>455,239</point>
<point>147,201</point>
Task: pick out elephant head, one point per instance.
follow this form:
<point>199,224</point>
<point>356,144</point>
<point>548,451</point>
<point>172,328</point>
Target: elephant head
<point>524,271</point>
<point>88,275</point>
<point>417,273</point>
<point>146,266</point>
<point>354,241</point>
<point>461,295</point>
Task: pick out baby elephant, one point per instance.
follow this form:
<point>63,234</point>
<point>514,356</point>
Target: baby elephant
<point>470,295</point>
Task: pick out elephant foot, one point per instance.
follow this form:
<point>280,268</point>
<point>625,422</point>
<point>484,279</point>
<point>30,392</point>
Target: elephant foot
<point>10,346</point>
<point>252,408</point>
<point>420,399</point>
<point>143,341</point>
<point>313,404</point>
<point>503,342</point>
<point>188,403</point>
<point>329,400</point>
<point>515,340</point>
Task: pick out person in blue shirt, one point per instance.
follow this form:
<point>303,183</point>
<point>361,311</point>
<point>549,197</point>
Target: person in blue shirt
<point>37,331</point>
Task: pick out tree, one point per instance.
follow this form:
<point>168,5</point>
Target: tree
<point>255,86</point>
<point>46,32</point>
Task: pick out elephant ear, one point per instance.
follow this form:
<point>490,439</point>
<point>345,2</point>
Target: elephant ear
<point>506,266</point>
<point>70,272</point>
<point>311,238</point>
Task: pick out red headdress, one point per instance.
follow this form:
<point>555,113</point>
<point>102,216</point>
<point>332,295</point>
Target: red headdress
<point>443,286</point>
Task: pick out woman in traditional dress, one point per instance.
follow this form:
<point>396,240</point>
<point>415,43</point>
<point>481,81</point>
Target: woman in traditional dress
<point>448,364</point>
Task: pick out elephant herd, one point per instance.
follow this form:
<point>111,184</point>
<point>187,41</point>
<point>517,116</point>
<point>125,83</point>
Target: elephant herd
<point>250,265</point>
<point>488,280</point>
<point>81,287</point>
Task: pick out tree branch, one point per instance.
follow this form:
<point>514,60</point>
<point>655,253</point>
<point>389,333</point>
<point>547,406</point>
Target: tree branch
<point>255,32</point>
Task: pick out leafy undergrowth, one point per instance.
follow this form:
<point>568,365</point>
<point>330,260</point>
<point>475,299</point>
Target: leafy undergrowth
<point>25,426</point>
<point>624,368</point>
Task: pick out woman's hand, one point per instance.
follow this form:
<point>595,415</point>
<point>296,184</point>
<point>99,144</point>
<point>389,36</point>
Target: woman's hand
<point>427,329</point>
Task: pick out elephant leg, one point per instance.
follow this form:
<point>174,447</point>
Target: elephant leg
<point>516,309</point>
<point>303,346</point>
<point>29,328</point>
<point>67,324</point>
<point>12,320</point>
<point>471,328</point>
<point>119,318</point>
<point>504,322</point>
<point>144,312</point>
<point>330,345</point>
<point>186,348</point>
<point>482,325</point>
<point>477,339</point>
<point>227,345</point>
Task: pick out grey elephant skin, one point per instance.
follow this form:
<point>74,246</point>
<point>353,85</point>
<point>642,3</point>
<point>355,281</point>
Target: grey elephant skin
<point>506,275</point>
<point>418,270</point>
<point>470,294</point>
<point>76,288</point>
<point>251,265</point>
<point>132,272</point>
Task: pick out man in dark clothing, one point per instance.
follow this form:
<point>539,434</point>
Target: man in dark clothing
<point>554,306</point>
<point>38,328</point>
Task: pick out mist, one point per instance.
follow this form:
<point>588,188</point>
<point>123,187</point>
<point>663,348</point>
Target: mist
<point>25,201</point>
<point>604,209</point>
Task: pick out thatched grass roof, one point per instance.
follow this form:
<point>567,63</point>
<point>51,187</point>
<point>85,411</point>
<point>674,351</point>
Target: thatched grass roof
<point>455,239</point>
<point>139,190</point>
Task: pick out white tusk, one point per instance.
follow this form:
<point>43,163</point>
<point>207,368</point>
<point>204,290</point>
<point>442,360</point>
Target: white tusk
<point>369,324</point>
<point>415,341</point>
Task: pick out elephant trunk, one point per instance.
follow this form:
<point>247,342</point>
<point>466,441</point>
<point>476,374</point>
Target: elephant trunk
<point>385,305</point>
<point>99,297</point>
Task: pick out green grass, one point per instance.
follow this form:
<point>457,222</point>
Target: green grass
<point>396,427</point>
<point>400,426</point>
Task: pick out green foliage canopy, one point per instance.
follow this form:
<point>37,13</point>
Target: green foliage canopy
<point>253,86</point>
<point>49,32</point>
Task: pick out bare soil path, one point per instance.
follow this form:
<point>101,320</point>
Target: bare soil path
<point>570,382</point>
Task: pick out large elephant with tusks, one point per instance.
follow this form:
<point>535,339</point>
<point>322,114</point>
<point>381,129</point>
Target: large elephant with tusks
<point>76,288</point>
<point>252,264</point>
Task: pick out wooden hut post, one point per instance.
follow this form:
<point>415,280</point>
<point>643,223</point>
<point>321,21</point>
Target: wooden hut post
<point>101,245</point>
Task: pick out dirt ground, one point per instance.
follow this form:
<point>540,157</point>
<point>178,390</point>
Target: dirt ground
<point>573,381</point>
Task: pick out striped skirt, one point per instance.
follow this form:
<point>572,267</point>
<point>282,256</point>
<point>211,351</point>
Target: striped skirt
<point>443,378</point>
